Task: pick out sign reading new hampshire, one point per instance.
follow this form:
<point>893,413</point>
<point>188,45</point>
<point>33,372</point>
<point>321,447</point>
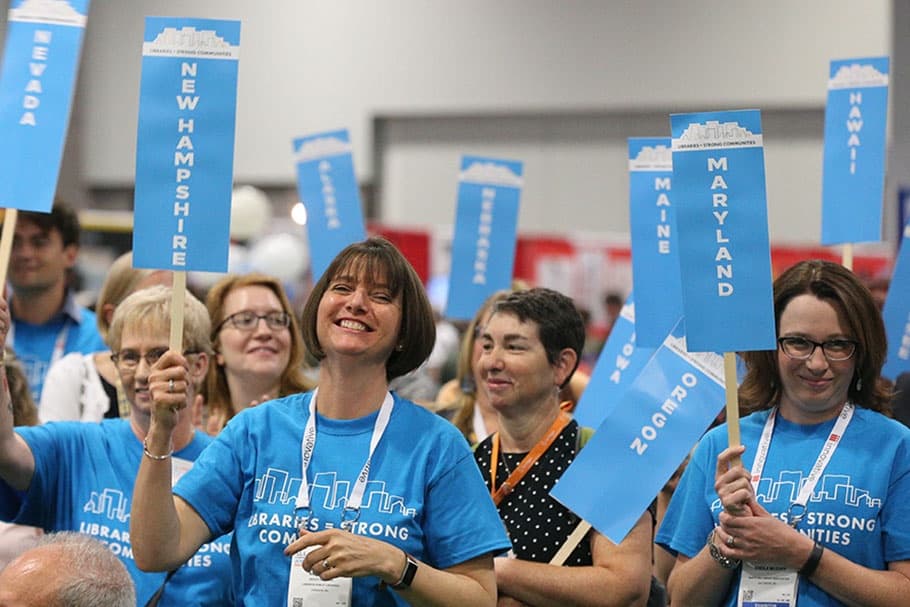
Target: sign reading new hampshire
<point>896,313</point>
<point>43,43</point>
<point>722,223</point>
<point>854,168</point>
<point>655,254</point>
<point>486,225</point>
<point>185,147</point>
<point>327,187</point>
<point>656,423</point>
<point>619,363</point>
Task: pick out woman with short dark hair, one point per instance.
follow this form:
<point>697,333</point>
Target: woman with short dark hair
<point>347,493</point>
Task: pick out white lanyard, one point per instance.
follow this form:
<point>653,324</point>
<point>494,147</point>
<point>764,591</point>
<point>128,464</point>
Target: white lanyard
<point>480,429</point>
<point>308,444</point>
<point>797,509</point>
<point>59,343</point>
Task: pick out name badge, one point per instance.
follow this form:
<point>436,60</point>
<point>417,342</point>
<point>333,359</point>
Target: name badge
<point>307,590</point>
<point>767,586</point>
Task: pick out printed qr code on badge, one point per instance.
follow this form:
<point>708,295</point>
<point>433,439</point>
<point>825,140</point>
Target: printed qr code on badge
<point>298,602</point>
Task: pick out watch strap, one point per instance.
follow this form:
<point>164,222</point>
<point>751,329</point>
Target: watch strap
<point>407,576</point>
<point>724,561</point>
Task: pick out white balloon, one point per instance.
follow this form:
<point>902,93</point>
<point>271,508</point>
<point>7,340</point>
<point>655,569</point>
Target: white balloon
<point>284,256</point>
<point>251,212</point>
<point>238,263</point>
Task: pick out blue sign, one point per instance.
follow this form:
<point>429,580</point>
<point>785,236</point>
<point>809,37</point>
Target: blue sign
<point>655,251</point>
<point>896,313</point>
<point>722,224</point>
<point>640,444</point>
<point>486,231</point>
<point>185,147</point>
<point>328,189</point>
<point>854,167</point>
<point>619,363</point>
<point>40,61</point>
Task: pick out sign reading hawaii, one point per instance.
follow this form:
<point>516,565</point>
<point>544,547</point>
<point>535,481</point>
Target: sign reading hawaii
<point>40,61</point>
<point>619,363</point>
<point>854,167</point>
<point>655,424</point>
<point>722,224</point>
<point>328,188</point>
<point>896,313</point>
<point>185,144</point>
<point>655,254</point>
<point>486,231</point>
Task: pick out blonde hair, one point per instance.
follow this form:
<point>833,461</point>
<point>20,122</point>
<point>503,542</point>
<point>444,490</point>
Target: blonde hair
<point>122,279</point>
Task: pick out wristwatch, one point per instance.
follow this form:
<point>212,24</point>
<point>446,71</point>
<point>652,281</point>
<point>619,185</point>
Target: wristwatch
<point>407,576</point>
<point>724,561</point>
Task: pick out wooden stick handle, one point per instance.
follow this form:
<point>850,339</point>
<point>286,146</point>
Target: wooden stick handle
<point>732,401</point>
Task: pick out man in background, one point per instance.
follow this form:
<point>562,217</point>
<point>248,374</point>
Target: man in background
<point>47,322</point>
<point>69,569</point>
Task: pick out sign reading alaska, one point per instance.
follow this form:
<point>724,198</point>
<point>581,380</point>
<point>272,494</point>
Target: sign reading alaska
<point>722,220</point>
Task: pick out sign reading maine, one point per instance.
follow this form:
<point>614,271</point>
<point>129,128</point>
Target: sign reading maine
<point>652,158</point>
<point>57,12</point>
<point>190,42</point>
<point>713,135</point>
<point>857,76</point>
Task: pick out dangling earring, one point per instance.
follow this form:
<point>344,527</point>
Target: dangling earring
<point>859,383</point>
<point>399,347</point>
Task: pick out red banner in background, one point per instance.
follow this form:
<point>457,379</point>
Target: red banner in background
<point>413,244</point>
<point>587,268</point>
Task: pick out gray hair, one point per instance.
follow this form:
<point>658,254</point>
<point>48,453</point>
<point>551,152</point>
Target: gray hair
<point>151,309</point>
<point>98,577</point>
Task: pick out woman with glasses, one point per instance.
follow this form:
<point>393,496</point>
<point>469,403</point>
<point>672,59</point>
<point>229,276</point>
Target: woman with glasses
<point>818,512</point>
<point>258,348</point>
<point>75,476</point>
<point>347,495</point>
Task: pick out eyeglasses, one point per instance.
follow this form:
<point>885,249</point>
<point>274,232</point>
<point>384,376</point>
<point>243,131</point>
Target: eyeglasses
<point>801,348</point>
<point>129,359</point>
<point>245,320</point>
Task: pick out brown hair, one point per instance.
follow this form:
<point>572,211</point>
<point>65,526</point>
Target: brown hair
<point>831,282</point>
<point>292,379</point>
<point>377,259</point>
<point>25,413</point>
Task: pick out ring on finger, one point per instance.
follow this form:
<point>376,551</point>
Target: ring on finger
<point>731,542</point>
<point>326,565</point>
<point>170,386</point>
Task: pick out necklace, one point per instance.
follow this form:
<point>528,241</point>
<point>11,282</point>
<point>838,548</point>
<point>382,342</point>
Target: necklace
<point>505,463</point>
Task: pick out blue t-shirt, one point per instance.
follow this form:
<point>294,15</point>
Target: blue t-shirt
<point>35,344</point>
<point>860,508</point>
<point>424,495</point>
<point>83,481</point>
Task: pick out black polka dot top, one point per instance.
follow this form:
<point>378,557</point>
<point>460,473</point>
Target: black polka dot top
<point>537,524</point>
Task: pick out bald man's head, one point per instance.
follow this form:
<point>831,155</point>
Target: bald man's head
<point>66,570</point>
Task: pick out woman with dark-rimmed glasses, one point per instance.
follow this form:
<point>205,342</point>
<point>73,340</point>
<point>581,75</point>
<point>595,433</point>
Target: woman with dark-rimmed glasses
<point>818,512</point>
<point>258,347</point>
